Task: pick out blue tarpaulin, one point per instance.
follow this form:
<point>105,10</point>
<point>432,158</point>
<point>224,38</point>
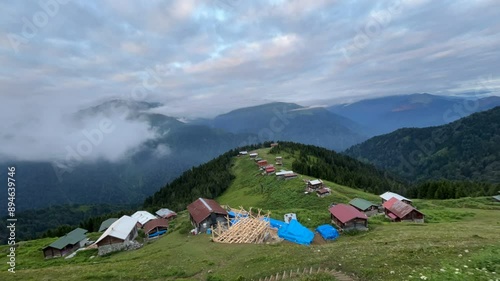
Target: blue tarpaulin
<point>158,233</point>
<point>275,223</point>
<point>296,232</point>
<point>328,232</point>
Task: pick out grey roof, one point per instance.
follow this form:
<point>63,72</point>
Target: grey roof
<point>497,197</point>
<point>107,223</point>
<point>165,212</point>
<point>71,238</point>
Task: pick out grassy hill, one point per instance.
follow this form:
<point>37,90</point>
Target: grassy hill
<point>460,235</point>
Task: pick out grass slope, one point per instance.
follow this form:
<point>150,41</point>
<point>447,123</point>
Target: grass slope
<point>461,236</point>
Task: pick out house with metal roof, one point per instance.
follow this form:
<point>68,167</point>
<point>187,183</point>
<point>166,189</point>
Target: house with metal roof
<point>398,211</point>
<point>496,198</point>
<point>67,244</point>
<point>119,235</point>
<point>388,195</point>
<point>323,192</point>
<point>313,185</point>
<point>347,218</point>
<point>253,155</point>
<point>156,227</point>
<point>364,206</point>
<point>107,223</point>
<point>166,214</point>
<point>143,217</point>
<point>205,213</point>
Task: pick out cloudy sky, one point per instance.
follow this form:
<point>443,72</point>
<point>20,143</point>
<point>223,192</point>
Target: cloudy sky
<point>205,57</point>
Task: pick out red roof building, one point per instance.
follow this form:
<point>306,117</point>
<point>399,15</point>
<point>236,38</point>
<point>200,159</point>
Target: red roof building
<point>348,218</point>
<point>262,163</point>
<point>155,225</point>
<point>205,213</point>
<point>398,211</point>
<point>270,170</point>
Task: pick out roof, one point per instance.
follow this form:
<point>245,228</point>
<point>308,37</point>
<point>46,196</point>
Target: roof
<point>323,190</point>
<point>243,152</point>
<point>254,154</point>
<point>282,173</point>
<point>71,238</point>
<point>345,213</point>
<point>152,224</point>
<point>361,204</point>
<point>202,208</point>
<point>291,175</point>
<point>388,195</point>
<point>270,169</point>
<point>399,208</point>
<point>119,229</point>
<point>262,161</point>
<point>315,182</point>
<point>143,217</point>
<point>107,223</point>
<point>496,197</point>
<point>165,213</point>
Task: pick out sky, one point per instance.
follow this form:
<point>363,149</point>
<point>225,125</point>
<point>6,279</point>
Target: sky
<point>204,58</point>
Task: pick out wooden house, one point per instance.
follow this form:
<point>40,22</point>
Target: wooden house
<point>262,163</point>
<point>323,192</point>
<point>279,160</point>
<point>243,153</point>
<point>347,218</point>
<point>313,185</point>
<point>274,144</point>
<point>364,206</point>
<point>67,244</point>
<point>119,236</point>
<point>270,170</point>
<point>205,213</point>
<point>388,195</point>
<point>253,155</point>
<point>398,211</point>
<point>290,176</point>
<point>167,214</point>
<point>156,227</point>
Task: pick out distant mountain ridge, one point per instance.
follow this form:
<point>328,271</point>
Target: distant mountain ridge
<point>386,114</point>
<point>467,149</point>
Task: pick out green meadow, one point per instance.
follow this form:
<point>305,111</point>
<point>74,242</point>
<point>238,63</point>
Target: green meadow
<point>459,241</point>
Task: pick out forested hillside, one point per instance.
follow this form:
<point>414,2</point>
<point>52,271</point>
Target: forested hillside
<point>467,149</point>
<point>330,165</point>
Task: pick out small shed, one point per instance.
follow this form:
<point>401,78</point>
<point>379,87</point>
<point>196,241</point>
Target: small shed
<point>253,155</point>
<point>388,195</point>
<point>67,244</point>
<point>270,170</point>
<point>346,217</point>
<point>398,211</point>
<point>165,213</point>
<point>289,217</point>
<point>120,235</point>
<point>323,192</point>
<point>364,206</point>
<point>156,227</point>
<point>205,213</point>
<point>290,176</point>
<point>274,144</point>
<point>107,223</point>
<point>243,152</point>
<point>279,160</point>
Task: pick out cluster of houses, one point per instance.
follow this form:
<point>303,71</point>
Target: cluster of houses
<point>118,234</point>
<point>317,186</point>
<point>269,169</point>
<point>354,216</point>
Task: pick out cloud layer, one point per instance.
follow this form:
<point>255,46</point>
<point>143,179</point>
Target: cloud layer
<point>202,58</point>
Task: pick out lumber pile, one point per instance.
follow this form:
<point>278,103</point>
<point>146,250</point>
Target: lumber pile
<point>248,229</point>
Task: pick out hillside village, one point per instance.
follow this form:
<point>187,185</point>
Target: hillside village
<point>345,216</point>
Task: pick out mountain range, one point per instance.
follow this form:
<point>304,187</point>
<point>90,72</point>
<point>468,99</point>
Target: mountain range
<point>467,149</point>
<point>177,146</point>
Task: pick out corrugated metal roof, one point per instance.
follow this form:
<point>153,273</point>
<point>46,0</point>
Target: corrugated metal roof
<point>361,204</point>
<point>143,217</point>
<point>345,213</point>
<point>315,182</point>
<point>388,195</point>
<point>71,238</point>
<point>165,213</point>
<point>202,208</point>
<point>107,223</point>
<point>497,197</point>
<point>282,173</point>
<point>119,229</point>
<point>152,224</point>
<point>399,208</point>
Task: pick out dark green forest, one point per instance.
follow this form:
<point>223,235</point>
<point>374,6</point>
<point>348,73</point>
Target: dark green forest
<point>445,189</point>
<point>329,165</point>
<point>465,150</point>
